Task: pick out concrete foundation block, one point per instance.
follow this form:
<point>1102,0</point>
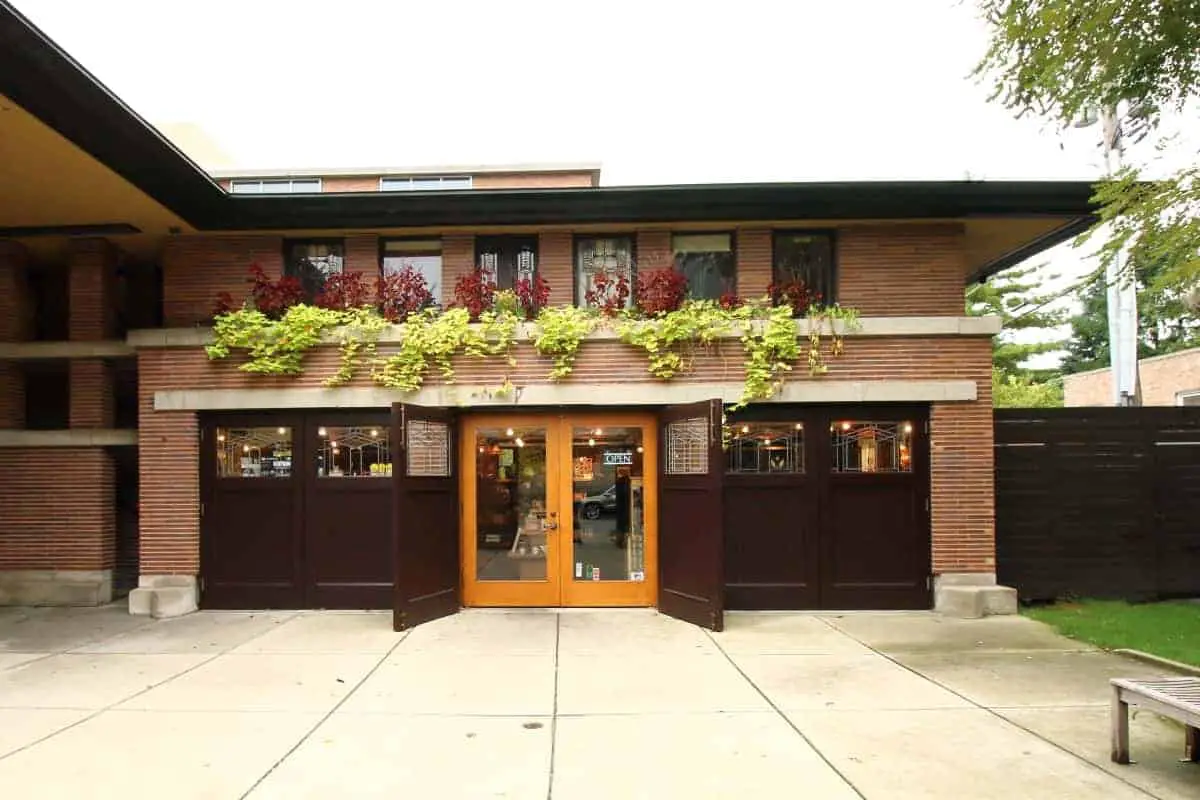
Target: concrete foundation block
<point>972,595</point>
<point>162,596</point>
<point>50,587</point>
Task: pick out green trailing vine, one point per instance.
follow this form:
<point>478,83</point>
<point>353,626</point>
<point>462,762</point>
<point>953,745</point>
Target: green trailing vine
<point>272,347</point>
<point>432,338</point>
<point>559,332</point>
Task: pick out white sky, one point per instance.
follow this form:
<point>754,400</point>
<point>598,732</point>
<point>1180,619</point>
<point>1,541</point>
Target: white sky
<point>657,91</point>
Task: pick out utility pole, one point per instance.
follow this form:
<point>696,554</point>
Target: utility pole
<point>1121,283</point>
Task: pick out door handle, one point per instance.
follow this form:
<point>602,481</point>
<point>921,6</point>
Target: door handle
<point>550,524</point>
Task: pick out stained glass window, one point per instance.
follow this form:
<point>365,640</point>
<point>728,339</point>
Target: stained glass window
<point>687,446</point>
<point>254,452</point>
<point>611,256</point>
<point>428,449</point>
<point>765,447</point>
<point>357,452</point>
<point>871,446</point>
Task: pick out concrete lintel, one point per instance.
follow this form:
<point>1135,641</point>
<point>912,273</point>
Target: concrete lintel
<point>564,394</point>
<point>45,351</point>
<point>74,437</point>
<point>868,326</point>
<point>51,587</point>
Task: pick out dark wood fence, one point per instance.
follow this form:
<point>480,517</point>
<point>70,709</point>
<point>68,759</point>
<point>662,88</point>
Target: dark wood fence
<point>1098,502</point>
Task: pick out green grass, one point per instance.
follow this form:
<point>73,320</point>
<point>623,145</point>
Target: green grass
<point>1170,630</point>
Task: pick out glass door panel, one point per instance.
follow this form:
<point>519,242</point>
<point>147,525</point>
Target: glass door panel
<point>512,514</point>
<point>608,490</point>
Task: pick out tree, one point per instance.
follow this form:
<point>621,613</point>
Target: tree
<point>1064,59</point>
<point>1029,321</point>
<point>1165,324</point>
<point>1026,313</point>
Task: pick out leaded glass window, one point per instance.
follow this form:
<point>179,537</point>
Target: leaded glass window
<point>756,448</point>
<point>428,449</point>
<point>611,256</point>
<point>871,446</point>
<point>687,446</point>
<point>354,452</point>
<point>264,452</point>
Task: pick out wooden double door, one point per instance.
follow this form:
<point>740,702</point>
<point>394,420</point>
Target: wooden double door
<point>558,509</point>
<point>296,510</point>
<point>828,508</point>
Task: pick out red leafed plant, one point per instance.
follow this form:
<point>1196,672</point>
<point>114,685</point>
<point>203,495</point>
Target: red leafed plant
<point>344,291</point>
<point>476,292</point>
<point>729,301</point>
<point>273,298</point>
<point>660,291</point>
<point>533,295</point>
<point>402,293</point>
<point>794,293</point>
<point>224,304</point>
<point>608,293</point>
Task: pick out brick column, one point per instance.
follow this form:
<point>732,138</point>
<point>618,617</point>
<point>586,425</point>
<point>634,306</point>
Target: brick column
<point>458,259</point>
<point>654,250</point>
<point>753,262</point>
<point>15,324</point>
<point>362,255</point>
<point>555,264</point>
<point>91,283</point>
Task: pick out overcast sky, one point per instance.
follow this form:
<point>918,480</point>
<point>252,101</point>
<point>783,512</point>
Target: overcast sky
<point>656,91</point>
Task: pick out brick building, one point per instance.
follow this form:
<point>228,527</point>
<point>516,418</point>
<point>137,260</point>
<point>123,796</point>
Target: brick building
<point>1170,380</point>
<point>130,459</point>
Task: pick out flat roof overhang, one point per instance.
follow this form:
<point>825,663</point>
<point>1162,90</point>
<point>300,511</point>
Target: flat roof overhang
<point>1006,221</point>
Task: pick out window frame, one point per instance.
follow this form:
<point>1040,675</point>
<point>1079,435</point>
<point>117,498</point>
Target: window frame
<point>829,296</point>
<point>579,238</point>
<point>441,254</point>
<point>516,239</point>
<point>411,179</point>
<point>733,254</point>
<point>326,240</point>
<point>260,182</point>
<point>1186,394</point>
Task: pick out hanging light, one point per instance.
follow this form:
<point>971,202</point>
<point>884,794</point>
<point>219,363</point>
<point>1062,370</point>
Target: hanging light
<point>641,449</point>
<point>520,442</point>
<point>375,432</point>
<point>745,429</point>
<point>508,432</point>
<point>799,426</point>
<point>598,432</point>
<point>322,432</point>
<point>591,442</point>
<point>845,426</point>
<point>281,431</point>
<point>220,437</point>
<point>908,427</point>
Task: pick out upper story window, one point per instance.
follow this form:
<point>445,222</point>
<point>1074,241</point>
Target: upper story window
<point>803,261</point>
<point>707,261</point>
<point>312,261</point>
<point>507,260</point>
<point>423,255</point>
<point>1188,398</point>
<point>276,186</point>
<point>425,183</point>
<point>609,256</point>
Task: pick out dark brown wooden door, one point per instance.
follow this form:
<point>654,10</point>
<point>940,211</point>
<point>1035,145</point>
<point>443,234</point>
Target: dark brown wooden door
<point>691,584</point>
<point>425,515</point>
<point>348,515</point>
<point>875,542</point>
<point>251,552</point>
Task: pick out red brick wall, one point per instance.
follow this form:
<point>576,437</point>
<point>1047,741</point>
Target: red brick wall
<point>532,180</point>
<point>58,509</point>
<point>92,278</point>
<point>362,255</point>
<point>458,259</point>
<point>368,183</point>
<point>902,270</point>
<point>15,322</point>
<point>197,268</point>
<point>556,263</point>
<point>753,262</point>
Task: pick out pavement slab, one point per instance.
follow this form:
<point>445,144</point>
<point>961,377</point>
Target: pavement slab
<point>571,704</point>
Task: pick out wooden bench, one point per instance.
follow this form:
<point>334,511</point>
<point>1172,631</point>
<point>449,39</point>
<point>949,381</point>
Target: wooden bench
<point>1177,698</point>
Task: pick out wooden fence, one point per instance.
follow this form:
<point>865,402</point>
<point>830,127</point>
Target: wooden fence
<point>1098,502</point>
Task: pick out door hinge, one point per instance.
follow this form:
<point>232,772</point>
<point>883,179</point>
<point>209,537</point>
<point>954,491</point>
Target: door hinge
<point>202,509</point>
<point>201,582</point>
<point>928,583</point>
<point>928,505</point>
<point>926,426</point>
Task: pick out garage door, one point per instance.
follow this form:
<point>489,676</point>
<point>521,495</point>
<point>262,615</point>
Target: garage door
<point>296,511</point>
<point>826,508</point>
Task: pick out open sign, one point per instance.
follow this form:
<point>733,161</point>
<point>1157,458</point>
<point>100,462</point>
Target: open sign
<point>618,458</point>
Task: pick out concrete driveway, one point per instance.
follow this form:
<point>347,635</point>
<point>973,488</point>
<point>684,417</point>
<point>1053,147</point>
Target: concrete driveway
<point>578,704</point>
